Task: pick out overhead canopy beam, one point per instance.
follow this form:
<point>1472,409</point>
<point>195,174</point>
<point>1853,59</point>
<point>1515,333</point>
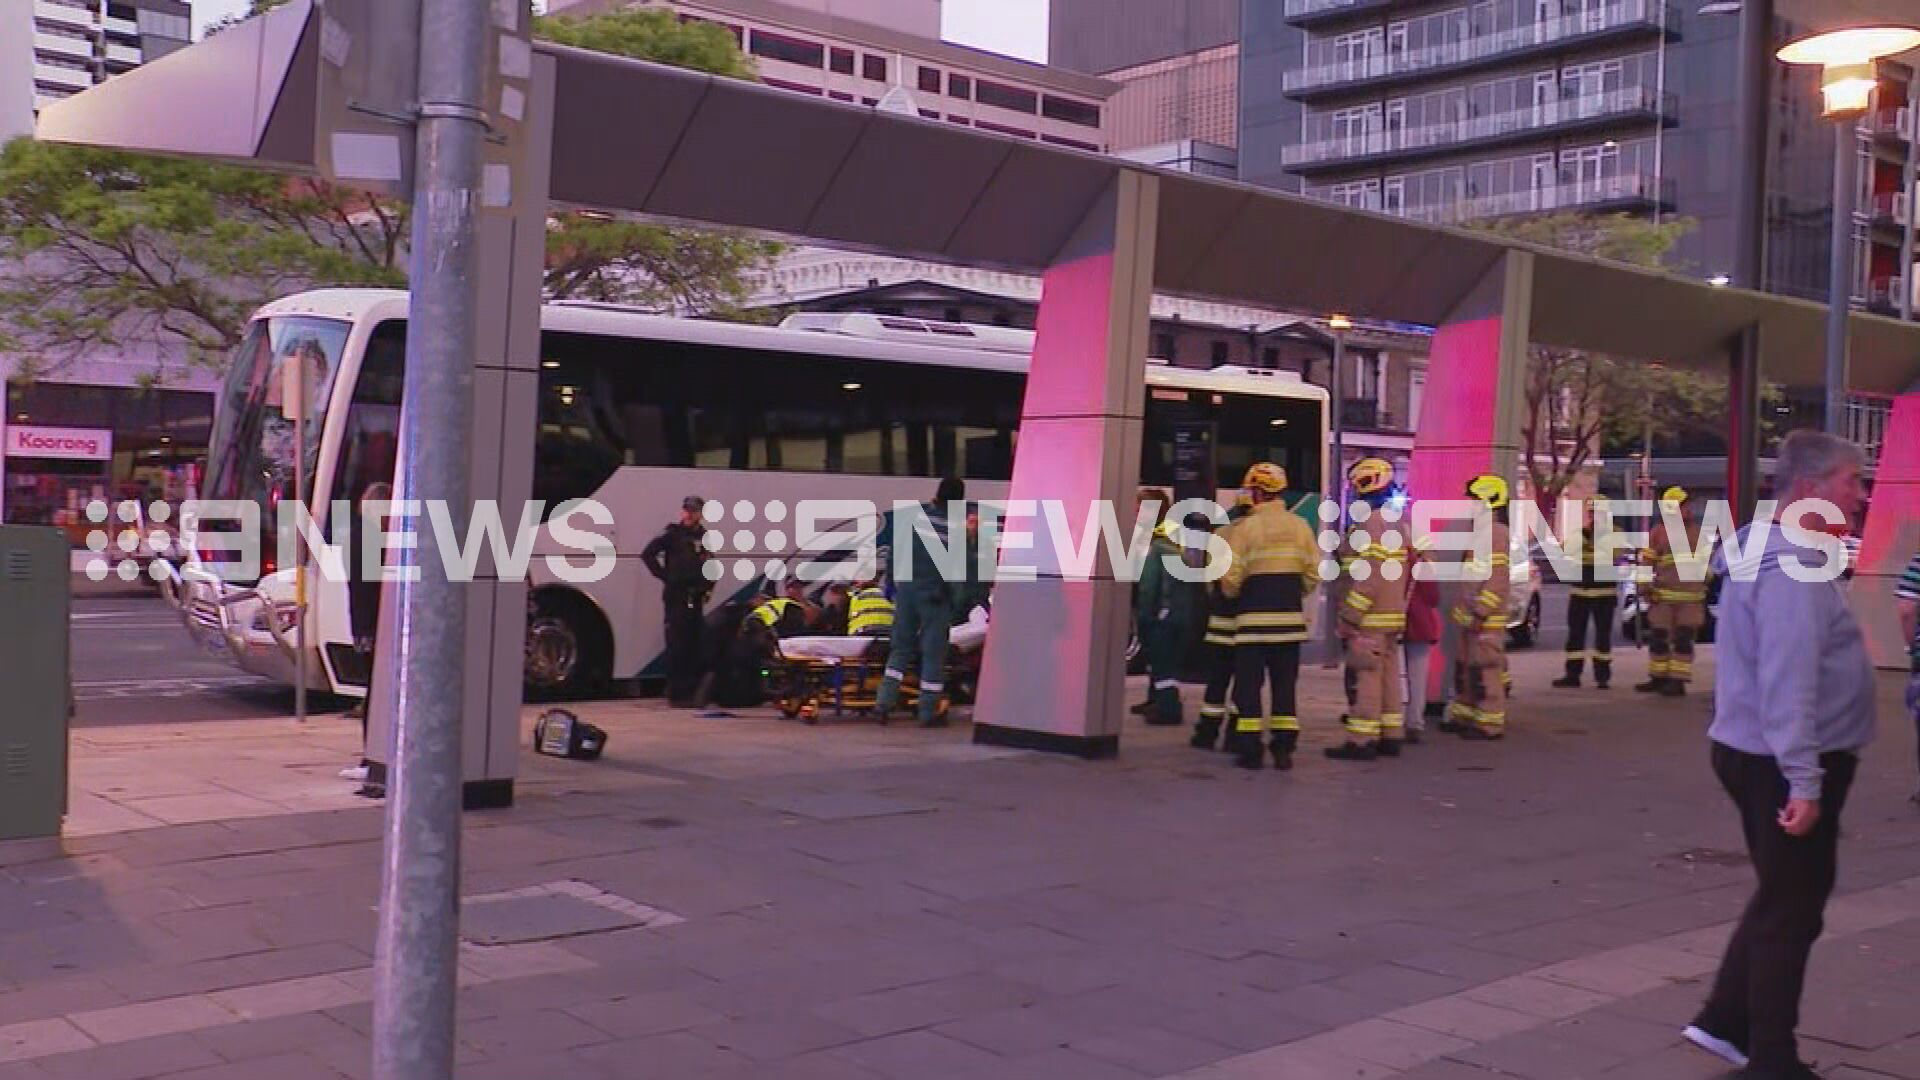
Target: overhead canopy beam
<point>647,139</point>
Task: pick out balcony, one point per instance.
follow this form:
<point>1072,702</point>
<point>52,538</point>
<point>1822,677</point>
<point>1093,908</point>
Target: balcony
<point>64,77</point>
<point>1889,125</point>
<point>1309,12</point>
<point>1629,191</point>
<point>1478,132</point>
<point>115,25</point>
<point>1883,295</point>
<point>64,13</point>
<point>1890,209</point>
<point>1628,16</point>
<point>61,45</point>
<point>123,54</point>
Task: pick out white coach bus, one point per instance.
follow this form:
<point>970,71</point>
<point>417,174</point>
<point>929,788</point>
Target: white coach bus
<point>639,411</point>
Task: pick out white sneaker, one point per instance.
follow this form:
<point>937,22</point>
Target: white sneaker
<point>1715,1045</point>
<point>357,772</point>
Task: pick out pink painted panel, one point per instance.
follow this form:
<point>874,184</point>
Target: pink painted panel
<point>1454,442</point>
<point>1069,375</point>
<point>1896,492</point>
<point>1891,534</point>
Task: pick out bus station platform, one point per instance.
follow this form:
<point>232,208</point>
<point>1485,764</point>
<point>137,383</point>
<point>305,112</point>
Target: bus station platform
<point>743,896</point>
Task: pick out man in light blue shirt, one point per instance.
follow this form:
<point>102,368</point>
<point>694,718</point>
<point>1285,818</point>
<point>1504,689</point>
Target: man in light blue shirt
<point>1793,706</point>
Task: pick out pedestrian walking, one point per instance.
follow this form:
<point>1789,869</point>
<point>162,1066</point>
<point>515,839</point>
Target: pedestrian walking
<point>923,603</point>
<point>1678,598</point>
<point>1592,602</point>
<point>1274,568</point>
<point>1373,615</point>
<point>1907,592</point>
<point>1479,709</point>
<point>678,559</point>
<point>1793,707</point>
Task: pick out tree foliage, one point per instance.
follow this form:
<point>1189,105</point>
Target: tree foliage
<point>102,249</point>
<point>593,257</point>
<point>1578,402</point>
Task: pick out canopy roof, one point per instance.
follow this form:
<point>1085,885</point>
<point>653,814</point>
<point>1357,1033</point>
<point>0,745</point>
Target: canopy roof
<point>643,138</point>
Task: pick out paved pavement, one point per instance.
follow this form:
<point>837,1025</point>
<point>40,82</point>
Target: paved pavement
<point>743,897</point>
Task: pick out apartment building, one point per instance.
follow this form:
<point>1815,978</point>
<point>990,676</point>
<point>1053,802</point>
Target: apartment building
<point>804,48</point>
<point>1888,195</point>
<point>50,49</point>
<point>1453,111</point>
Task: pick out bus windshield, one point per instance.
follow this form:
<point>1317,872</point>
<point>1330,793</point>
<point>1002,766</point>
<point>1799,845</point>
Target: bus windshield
<point>252,447</point>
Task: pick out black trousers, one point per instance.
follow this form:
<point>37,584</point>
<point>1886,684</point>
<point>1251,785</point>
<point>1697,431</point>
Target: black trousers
<point>1277,665</point>
<point>1756,997</point>
<point>1597,612</point>
<point>684,625</point>
<point>1220,664</point>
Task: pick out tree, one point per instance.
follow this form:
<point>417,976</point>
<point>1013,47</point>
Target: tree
<point>104,248</point>
<point>1577,402</point>
<point>590,256</point>
<point>99,249</point>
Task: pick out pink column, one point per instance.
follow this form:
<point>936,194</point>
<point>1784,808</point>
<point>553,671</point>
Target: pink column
<point>1054,671</point>
<point>1476,389</point>
<point>1892,533</point>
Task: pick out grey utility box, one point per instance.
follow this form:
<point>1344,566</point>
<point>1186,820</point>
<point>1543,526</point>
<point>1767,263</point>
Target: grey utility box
<point>36,583</point>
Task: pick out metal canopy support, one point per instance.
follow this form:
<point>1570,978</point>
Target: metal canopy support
<point>1054,673</point>
<point>1471,416</point>
<point>1743,423</point>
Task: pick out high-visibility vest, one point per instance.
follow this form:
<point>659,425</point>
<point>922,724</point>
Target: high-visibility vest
<point>869,613</point>
<point>771,612</point>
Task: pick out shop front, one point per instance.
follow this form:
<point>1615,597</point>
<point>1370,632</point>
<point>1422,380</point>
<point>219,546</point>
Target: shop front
<point>67,445</point>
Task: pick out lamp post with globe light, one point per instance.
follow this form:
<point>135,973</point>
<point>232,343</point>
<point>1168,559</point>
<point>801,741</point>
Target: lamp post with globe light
<point>1847,80</point>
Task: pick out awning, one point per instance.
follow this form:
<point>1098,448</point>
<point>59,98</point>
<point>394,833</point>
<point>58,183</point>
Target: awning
<point>673,144</point>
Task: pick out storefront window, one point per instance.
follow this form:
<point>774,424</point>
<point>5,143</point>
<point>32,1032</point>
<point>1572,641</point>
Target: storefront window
<point>70,444</point>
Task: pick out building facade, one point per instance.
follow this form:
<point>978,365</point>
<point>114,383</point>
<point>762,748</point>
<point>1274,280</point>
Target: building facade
<point>1455,111</point>
<point>800,47</point>
<point>1178,66</point>
<point>1099,36</point>
<point>50,49</point>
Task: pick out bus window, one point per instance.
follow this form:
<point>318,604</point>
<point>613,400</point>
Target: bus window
<point>1284,431</point>
<point>370,444</point>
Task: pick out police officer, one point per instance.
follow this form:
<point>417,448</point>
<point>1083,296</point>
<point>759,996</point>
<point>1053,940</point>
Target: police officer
<point>1591,602</point>
<point>1168,607</point>
<point>1275,566</point>
<point>1677,598</point>
<point>678,558</point>
<point>1373,615</point>
<point>1223,621</point>
<point>1479,709</point>
<point>923,604</point>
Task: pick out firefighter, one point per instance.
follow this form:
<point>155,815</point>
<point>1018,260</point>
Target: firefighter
<point>1223,624</point>
<point>1168,606</point>
<point>1479,709</point>
<point>1677,598</point>
<point>1372,616</point>
<point>1275,566</point>
<point>1591,602</point>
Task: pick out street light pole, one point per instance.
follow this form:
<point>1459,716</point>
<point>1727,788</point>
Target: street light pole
<point>1840,267</point>
<point>416,960</point>
<point>1337,389</point>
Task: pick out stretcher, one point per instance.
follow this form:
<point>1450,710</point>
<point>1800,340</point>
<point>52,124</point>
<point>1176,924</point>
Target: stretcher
<point>843,674</point>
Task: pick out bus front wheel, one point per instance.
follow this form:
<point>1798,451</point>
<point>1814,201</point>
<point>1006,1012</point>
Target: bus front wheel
<point>569,651</point>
